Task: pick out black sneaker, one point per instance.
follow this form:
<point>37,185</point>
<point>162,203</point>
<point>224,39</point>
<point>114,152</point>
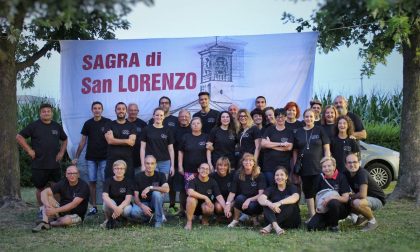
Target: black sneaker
<point>41,226</point>
<point>334,229</point>
<point>92,211</point>
<point>110,224</point>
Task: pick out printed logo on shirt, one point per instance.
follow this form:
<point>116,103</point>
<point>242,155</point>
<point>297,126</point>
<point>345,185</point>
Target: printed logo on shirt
<point>336,187</point>
<point>209,191</point>
<point>125,132</point>
<point>315,137</point>
<point>171,124</point>
<point>284,139</point>
<point>245,134</point>
<point>202,143</point>
<point>253,183</point>
<point>294,131</point>
<point>123,190</point>
<point>164,136</point>
<point>155,183</point>
<point>138,129</point>
<point>54,132</point>
<point>228,184</point>
<point>211,120</point>
<point>231,137</point>
<point>102,129</point>
<point>347,148</point>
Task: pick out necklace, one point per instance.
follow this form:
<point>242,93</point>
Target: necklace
<point>308,141</point>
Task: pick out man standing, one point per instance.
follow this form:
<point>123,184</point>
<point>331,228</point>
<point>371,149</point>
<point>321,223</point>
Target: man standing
<point>341,104</point>
<point>45,150</point>
<point>208,116</point>
<point>121,137</point>
<point>316,106</point>
<point>366,197</point>
<point>133,111</point>
<point>93,132</point>
<point>70,211</point>
<point>170,120</point>
<point>148,194</point>
<point>260,102</point>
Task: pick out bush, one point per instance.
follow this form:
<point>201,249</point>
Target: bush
<point>386,135</point>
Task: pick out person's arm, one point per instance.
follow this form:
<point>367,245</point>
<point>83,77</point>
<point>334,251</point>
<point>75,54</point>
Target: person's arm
<point>25,146</point>
<point>192,193</point>
<point>221,200</point>
<point>360,135</point>
<point>142,154</point>
<point>110,139</point>
<point>181,162</point>
<point>126,201</point>
<point>63,149</point>
<point>267,144</point>
<point>82,144</point>
<point>146,210</point>
<point>257,142</point>
<point>327,152</point>
<point>362,194</point>
<point>164,188</point>
<point>108,201</point>
<point>172,158</point>
<point>209,146</point>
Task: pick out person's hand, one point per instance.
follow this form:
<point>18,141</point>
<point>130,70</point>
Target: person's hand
<point>50,211</point>
<point>146,210</point>
<point>109,134</point>
<point>228,211</point>
<point>352,137</point>
<point>59,157</point>
<point>211,167</point>
<point>181,170</point>
<point>31,153</point>
<point>117,212</point>
<point>74,161</point>
<point>209,146</point>
<point>191,177</point>
<point>145,192</point>
<point>208,201</point>
<point>172,171</point>
<point>245,205</point>
<point>276,207</point>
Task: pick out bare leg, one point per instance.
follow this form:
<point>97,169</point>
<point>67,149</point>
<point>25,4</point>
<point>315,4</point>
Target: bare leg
<point>311,207</point>
<point>191,205</point>
<point>361,206</point>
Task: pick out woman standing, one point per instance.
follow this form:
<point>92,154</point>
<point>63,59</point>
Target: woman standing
<point>158,140</point>
<point>249,135</point>
<point>329,121</point>
<point>280,204</point>
<point>344,143</point>
<point>278,144</point>
<point>116,196</point>
<point>248,184</point>
<point>293,113</point>
<point>335,207</point>
<point>192,152</point>
<point>222,140</point>
<point>311,144</point>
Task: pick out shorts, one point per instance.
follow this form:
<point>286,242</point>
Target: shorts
<point>95,167</point>
<point>75,219</point>
<point>374,203</point>
<point>187,182</point>
<point>309,183</point>
<point>164,166</point>
<point>41,177</point>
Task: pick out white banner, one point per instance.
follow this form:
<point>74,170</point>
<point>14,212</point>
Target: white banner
<point>233,69</point>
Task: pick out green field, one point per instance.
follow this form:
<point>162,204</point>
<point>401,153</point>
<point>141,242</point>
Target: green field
<point>399,230</point>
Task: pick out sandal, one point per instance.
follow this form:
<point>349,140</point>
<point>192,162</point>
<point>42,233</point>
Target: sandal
<point>41,226</point>
<point>266,230</point>
<point>280,231</point>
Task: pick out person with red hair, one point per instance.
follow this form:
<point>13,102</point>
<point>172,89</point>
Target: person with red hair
<point>292,115</point>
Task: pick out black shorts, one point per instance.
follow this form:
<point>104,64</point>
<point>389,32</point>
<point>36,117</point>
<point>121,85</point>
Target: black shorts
<point>198,210</point>
<point>309,184</point>
<point>41,177</point>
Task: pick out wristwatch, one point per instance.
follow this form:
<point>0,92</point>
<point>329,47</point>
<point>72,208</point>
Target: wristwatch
<point>151,187</point>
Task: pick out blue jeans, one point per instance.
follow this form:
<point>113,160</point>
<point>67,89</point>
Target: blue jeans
<point>254,208</point>
<point>269,178</point>
<point>94,167</point>
<point>156,204</point>
<point>164,166</point>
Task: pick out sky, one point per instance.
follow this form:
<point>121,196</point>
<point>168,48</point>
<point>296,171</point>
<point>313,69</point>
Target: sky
<point>338,71</point>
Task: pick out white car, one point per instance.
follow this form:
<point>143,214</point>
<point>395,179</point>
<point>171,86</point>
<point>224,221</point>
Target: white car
<point>382,163</point>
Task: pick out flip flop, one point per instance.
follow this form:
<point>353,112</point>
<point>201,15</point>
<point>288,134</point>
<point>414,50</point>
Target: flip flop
<point>266,230</point>
<point>280,231</point>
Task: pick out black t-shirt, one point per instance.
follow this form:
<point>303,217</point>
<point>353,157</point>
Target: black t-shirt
<point>224,183</point>
<point>121,131</point>
<point>209,188</point>
<point>194,150</point>
<point>45,141</point>
<point>331,130</point>
<point>224,143</point>
<point>363,177</point>
<point>294,126</point>
<point>247,139</point>
<point>358,124</point>
<point>117,190</point>
<point>274,158</point>
<point>316,138</point>
<point>139,124</point>
<point>179,135</point>
<point>339,184</point>
<point>275,195</point>
<point>143,181</point>
<point>170,121</point>
<point>208,119</point>
<point>96,142</point>
<point>249,187</point>
<point>68,193</point>
<point>318,123</point>
<point>157,141</point>
<point>340,148</point>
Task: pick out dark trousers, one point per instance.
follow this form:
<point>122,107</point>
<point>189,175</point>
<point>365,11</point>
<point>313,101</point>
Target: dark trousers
<point>289,216</point>
<point>336,211</point>
<point>254,208</point>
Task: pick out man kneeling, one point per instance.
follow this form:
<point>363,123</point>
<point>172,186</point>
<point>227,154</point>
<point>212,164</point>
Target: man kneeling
<point>150,188</point>
<point>200,191</point>
<point>74,197</point>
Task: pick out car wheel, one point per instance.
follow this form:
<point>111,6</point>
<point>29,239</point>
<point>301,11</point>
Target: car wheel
<point>380,173</point>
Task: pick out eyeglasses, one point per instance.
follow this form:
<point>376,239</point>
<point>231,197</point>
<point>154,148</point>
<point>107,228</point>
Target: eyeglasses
<point>119,168</point>
<point>243,116</point>
<point>352,162</point>
<point>72,173</point>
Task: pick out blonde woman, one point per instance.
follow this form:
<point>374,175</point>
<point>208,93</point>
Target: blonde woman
<point>249,136</point>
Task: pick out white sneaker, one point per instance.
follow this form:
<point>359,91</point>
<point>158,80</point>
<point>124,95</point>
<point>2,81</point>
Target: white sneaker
<point>233,224</point>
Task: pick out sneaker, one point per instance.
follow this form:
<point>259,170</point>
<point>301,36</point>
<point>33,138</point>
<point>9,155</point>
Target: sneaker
<point>92,211</point>
<point>110,224</point>
<point>370,226</point>
<point>334,229</point>
<point>361,221</point>
<point>41,226</point>
<point>103,225</point>
<point>158,224</point>
<point>233,224</point>
<point>164,218</point>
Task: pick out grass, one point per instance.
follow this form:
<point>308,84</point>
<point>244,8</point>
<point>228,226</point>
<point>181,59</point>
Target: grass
<point>399,230</point>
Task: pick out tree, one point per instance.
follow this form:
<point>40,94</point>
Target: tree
<point>30,30</point>
<point>379,27</point>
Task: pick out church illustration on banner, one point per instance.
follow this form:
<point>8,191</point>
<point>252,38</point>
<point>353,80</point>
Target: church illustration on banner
<point>222,69</point>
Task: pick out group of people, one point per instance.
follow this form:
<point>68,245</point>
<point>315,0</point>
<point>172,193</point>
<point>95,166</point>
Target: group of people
<point>236,164</point>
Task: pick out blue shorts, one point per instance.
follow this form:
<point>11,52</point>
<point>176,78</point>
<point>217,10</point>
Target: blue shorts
<point>95,167</point>
<point>374,203</point>
<point>164,166</point>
